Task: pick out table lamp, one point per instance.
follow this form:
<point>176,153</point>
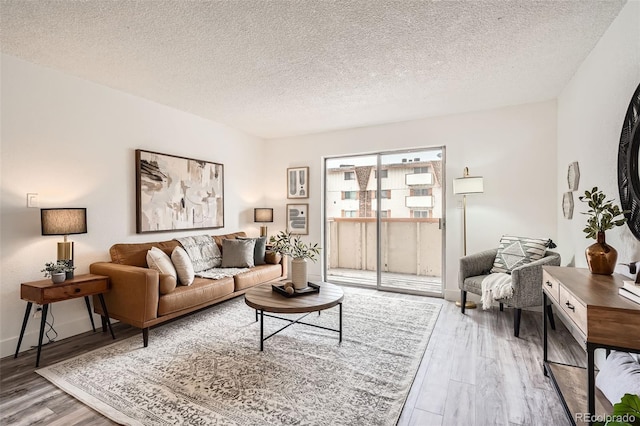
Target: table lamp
<point>263,215</point>
<point>64,221</point>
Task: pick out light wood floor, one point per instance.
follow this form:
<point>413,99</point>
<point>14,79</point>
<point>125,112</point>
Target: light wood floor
<point>474,372</point>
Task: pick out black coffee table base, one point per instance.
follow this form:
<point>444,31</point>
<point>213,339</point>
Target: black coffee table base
<point>262,314</point>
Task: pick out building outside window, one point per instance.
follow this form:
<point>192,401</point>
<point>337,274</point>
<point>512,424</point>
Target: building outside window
<point>349,213</point>
<point>421,213</point>
<point>349,195</point>
<point>383,173</point>
<point>420,192</point>
<point>349,176</point>
<point>417,170</point>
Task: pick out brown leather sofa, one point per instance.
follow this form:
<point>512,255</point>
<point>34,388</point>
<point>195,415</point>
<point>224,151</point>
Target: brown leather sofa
<point>138,295</point>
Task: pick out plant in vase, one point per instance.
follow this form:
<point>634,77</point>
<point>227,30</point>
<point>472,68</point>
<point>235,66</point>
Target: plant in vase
<point>57,271</point>
<point>287,245</point>
<point>603,215</point>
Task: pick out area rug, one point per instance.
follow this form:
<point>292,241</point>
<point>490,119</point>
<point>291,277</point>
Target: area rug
<point>206,369</point>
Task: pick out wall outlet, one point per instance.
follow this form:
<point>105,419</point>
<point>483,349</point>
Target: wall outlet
<point>32,200</point>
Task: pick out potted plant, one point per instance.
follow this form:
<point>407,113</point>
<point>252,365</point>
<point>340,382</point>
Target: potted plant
<point>602,216</point>
<point>287,245</point>
<point>57,270</point>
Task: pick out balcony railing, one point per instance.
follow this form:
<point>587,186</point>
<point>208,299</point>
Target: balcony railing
<point>409,246</point>
<point>419,179</point>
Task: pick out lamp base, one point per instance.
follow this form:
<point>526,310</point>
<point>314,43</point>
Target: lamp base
<point>263,231</point>
<point>468,305</point>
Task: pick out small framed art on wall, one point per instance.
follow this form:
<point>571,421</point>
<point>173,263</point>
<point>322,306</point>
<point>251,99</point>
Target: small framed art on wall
<point>298,182</point>
<point>297,219</point>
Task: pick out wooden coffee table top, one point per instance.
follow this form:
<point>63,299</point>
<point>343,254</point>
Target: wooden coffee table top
<point>265,299</point>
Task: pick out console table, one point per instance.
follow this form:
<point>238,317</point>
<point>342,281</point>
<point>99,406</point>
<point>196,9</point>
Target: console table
<point>598,317</point>
<point>45,292</point>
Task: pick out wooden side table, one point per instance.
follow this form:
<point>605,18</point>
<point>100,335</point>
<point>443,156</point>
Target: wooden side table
<point>44,292</point>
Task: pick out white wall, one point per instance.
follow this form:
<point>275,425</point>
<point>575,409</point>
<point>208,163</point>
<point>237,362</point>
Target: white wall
<point>591,109</point>
<point>514,149</point>
<point>73,142</point>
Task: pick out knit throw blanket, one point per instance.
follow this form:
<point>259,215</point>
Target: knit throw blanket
<point>217,273</point>
<point>495,286</point>
<point>203,252</point>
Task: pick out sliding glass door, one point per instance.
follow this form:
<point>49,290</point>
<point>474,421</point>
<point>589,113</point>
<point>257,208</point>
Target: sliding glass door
<point>383,220</point>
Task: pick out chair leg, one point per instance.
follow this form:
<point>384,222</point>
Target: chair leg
<point>501,307</point>
<point>552,321</point>
<point>463,300</point>
<point>517,313</point>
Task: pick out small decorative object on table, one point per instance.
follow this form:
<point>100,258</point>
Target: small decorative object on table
<point>288,290</point>
<point>601,257</point>
<point>286,245</point>
<point>57,270</point>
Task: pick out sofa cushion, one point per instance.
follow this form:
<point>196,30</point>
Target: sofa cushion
<point>257,275</point>
<point>517,251</point>
<point>167,283</point>
<point>183,265</point>
<point>135,254</point>
<point>272,257</point>
<point>220,238</point>
<point>202,290</point>
<point>238,253</point>
<point>159,261</point>
<point>474,284</point>
<point>259,250</point>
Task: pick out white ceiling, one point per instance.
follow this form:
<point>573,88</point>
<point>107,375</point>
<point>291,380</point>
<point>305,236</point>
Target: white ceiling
<point>283,68</point>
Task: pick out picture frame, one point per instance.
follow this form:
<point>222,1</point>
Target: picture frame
<point>176,193</point>
<point>298,219</point>
<point>298,182</point>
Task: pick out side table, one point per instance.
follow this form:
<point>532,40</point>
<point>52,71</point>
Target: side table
<point>44,292</point>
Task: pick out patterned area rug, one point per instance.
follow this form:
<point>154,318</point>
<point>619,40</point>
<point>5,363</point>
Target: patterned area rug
<point>206,369</point>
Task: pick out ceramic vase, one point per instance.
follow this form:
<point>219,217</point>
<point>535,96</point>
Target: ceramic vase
<point>58,277</point>
<point>299,272</point>
<point>601,257</point>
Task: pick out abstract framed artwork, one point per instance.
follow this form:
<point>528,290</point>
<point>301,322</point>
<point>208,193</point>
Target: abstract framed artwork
<point>567,205</point>
<point>298,182</point>
<point>298,219</point>
<point>573,176</point>
<point>177,193</point>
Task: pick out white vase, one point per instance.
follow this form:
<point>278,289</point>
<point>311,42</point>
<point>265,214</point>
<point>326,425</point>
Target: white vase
<point>58,277</point>
<point>299,272</point>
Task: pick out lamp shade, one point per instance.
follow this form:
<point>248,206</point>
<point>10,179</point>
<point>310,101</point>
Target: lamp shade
<point>64,221</point>
<point>468,185</point>
<point>263,215</point>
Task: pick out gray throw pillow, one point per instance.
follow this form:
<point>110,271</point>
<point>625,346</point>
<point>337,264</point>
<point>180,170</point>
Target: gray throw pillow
<point>517,251</point>
<point>237,253</point>
<point>260,249</point>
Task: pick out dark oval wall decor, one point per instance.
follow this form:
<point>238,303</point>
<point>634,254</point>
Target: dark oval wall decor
<point>628,167</point>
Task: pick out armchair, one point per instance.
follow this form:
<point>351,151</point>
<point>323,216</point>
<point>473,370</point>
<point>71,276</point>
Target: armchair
<point>526,281</point>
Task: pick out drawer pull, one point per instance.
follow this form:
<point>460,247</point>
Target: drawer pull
<point>570,306</point>
<point>77,290</point>
<point>549,284</point>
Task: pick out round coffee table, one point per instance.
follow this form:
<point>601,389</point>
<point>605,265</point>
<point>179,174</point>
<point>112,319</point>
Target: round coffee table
<point>264,299</point>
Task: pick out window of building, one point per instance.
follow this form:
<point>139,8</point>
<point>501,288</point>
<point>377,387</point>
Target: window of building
<point>421,213</point>
<point>349,213</point>
<point>421,170</point>
<point>349,195</point>
<point>385,213</point>
<point>383,173</point>
<point>420,192</point>
<point>385,193</point>
<point>349,176</point>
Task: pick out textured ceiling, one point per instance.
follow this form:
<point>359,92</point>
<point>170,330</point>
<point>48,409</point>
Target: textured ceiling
<point>282,68</point>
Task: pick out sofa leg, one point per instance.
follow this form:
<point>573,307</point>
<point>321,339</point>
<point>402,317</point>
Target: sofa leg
<point>501,307</point>
<point>463,300</point>
<point>145,336</point>
<point>517,313</point>
<point>552,322</point>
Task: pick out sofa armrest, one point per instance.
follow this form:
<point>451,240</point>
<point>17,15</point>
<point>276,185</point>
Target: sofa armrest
<point>527,281</point>
<point>476,264</point>
<point>133,294</point>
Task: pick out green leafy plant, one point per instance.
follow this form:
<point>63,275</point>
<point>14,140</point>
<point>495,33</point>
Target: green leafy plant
<point>625,413</point>
<point>288,245</point>
<point>602,213</point>
<point>60,266</point>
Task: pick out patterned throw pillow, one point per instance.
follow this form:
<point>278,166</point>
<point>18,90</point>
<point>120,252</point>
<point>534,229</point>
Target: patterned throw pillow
<point>517,251</point>
<point>203,252</point>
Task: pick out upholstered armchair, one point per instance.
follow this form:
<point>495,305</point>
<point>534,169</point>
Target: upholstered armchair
<point>526,281</point>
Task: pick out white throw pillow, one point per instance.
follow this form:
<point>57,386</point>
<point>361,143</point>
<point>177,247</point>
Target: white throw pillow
<point>158,260</point>
<point>183,266</point>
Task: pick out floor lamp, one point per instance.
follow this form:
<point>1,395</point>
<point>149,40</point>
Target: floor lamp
<point>467,185</point>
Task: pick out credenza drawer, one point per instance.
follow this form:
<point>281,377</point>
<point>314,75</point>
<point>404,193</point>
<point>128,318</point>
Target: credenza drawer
<point>574,309</point>
<point>551,286</point>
